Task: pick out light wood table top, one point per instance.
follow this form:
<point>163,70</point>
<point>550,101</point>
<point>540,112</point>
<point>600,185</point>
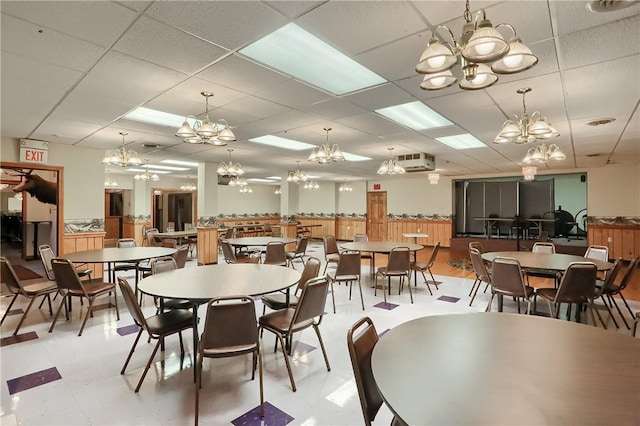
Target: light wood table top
<point>507,369</point>
<point>379,246</point>
<point>258,241</point>
<point>114,254</point>
<point>555,262</point>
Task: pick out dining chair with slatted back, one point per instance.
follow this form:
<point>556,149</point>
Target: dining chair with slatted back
<point>578,285</point>
<point>69,284</point>
<point>277,301</point>
<point>307,313</point>
<point>230,329</point>
<point>299,253</point>
<point>617,289</point>
<point>480,269</point>
<point>508,280</point>
<point>47,255</point>
<point>9,277</point>
<point>362,338</point>
<point>422,267</point>
<point>331,251</point>
<point>347,271</point>
<point>275,254</point>
<point>150,237</point>
<point>157,326</point>
<point>399,265</point>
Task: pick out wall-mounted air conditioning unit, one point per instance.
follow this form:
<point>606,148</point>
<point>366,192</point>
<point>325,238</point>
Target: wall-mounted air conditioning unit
<point>420,162</point>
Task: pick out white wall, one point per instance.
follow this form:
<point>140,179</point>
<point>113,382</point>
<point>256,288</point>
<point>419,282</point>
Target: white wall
<point>321,200</point>
<point>614,190</point>
<point>261,200</point>
<point>570,193</point>
<point>413,194</point>
<point>354,201</point>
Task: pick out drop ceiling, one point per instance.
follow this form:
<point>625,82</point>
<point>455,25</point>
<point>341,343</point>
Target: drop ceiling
<point>70,71</point>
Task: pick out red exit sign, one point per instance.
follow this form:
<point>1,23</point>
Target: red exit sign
<point>32,151</point>
<point>376,186</point>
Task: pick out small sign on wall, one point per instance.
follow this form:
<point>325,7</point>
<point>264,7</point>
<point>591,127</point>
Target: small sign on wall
<point>34,151</point>
<point>376,186</point>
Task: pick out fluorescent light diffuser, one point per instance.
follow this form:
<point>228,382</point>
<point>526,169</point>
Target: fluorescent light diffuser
<point>354,157</point>
<point>157,167</point>
<point>299,53</point>
<point>279,142</point>
<point>274,177</point>
<point>463,141</point>
<point>180,163</point>
<point>260,180</point>
<point>415,115</point>
<point>144,170</point>
<point>152,116</point>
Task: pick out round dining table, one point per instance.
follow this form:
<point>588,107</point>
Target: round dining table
<point>507,369</point>
<point>555,261</point>
<point>382,247</point>
<point>258,241</point>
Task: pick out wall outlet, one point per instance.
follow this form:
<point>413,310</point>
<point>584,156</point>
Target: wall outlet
<point>609,239</point>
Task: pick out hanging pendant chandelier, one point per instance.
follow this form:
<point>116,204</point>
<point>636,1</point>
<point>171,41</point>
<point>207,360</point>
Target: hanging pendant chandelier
<point>238,182</point>
<point>311,185</point>
<point>297,176</point>
<point>541,154</point>
<point>230,168</point>
<point>147,175</point>
<point>278,191</point>
<point>205,131</point>
<point>390,166</point>
<point>188,186</point>
<point>479,44</point>
<point>326,153</point>
<point>433,178</point>
<point>529,172</point>
<point>245,190</point>
<point>121,156</point>
<point>524,129</point>
<point>345,187</point>
<point>110,183</point>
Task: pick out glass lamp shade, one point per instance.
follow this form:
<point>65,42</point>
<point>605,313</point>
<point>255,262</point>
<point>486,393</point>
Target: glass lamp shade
<point>529,172</point>
<point>483,78</point>
<point>195,139</point>
<point>434,178</point>
<point>509,130</point>
<point>438,80</point>
<point>207,129</point>
<point>518,59</point>
<point>436,57</point>
<point>485,45</point>
<point>185,130</point>
<point>539,127</point>
<point>226,134</point>
<point>555,153</point>
<point>384,168</point>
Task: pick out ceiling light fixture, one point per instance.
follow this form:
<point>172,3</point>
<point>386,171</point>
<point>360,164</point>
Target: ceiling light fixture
<point>121,156</point>
<point>147,175</point>
<point>480,43</point>
<point>230,168</point>
<point>157,192</point>
<point>188,186</point>
<point>110,183</point>
<point>238,181</point>
<point>541,154</point>
<point>311,185</point>
<point>529,172</point>
<point>523,129</point>
<point>345,187</point>
<point>326,153</point>
<point>390,166</point>
<point>297,176</point>
<point>18,195</point>
<point>433,178</point>
<point>245,190</point>
<point>278,191</point>
<point>205,131</point>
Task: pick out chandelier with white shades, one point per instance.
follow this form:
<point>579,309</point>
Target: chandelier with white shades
<point>529,172</point>
<point>326,153</point>
<point>278,191</point>
<point>390,166</point>
<point>147,175</point>
<point>311,185</point>
<point>479,44</point>
<point>297,176</point>
<point>188,186</point>
<point>433,178</point>
<point>230,168</point>
<point>345,187</point>
<point>541,154</point>
<point>245,190</point>
<point>110,183</point>
<point>524,129</point>
<point>204,131</point>
<point>121,156</point>
<point>238,182</point>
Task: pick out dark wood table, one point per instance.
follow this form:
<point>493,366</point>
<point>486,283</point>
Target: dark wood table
<point>507,369</point>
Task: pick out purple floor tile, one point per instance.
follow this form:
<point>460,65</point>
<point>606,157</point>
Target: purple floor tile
<point>15,312</point>
<point>33,380</point>
<point>383,333</point>
<point>128,329</point>
<point>387,306</point>
<point>273,416</point>
<point>448,299</point>
<point>6,341</point>
<point>300,348</point>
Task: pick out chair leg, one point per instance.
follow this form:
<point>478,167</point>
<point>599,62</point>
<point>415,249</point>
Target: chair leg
<point>15,296</point>
<point>426,283</point>
<point>490,302</point>
<point>86,317</point>
<point>286,360</point>
<point>324,352</point>
<point>624,320</point>
<point>409,285</point>
<point>333,298</point>
<point>133,348</point>
<point>63,302</point>
<point>433,278</point>
<point>626,304</point>
<point>474,290</point>
<point>24,315</point>
<point>146,369</point>
<point>261,383</point>
<point>198,368</point>
<point>361,298</point>
<point>604,302</point>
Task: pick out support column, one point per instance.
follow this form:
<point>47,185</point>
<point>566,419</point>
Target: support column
<point>207,245</point>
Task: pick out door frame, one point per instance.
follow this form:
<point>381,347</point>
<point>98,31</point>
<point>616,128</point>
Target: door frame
<point>368,222</point>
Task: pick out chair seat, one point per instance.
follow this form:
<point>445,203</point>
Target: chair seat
<point>417,266</point>
<point>550,295</point>
<point>276,262</point>
<point>332,257</point>
<point>41,287</point>
<point>168,322</point>
<point>125,266</point>
<point>176,304</point>
<point>229,351</point>
<point>278,301</point>
<point>334,277</point>
<point>84,272</point>
<point>383,271</point>
<point>292,254</point>
<point>529,292</point>
<point>94,289</point>
<point>279,321</point>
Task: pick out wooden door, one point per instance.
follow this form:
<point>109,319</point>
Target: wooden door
<point>377,216</point>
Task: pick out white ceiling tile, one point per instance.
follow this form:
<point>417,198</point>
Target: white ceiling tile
<point>572,16</point>
<point>530,19</point>
<point>373,124</point>
<point>34,71</point>
<point>380,97</point>
<point>64,131</point>
<point>454,9</point>
<point>293,9</point>
<point>398,59</point>
<point>161,44</point>
<point>293,93</point>
<point>333,108</point>
<point>28,96</point>
<point>256,107</point>
<point>138,5</point>
<point>18,124</point>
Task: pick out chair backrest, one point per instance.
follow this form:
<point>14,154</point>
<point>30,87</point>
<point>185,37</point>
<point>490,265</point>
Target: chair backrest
<point>312,301</point>
<point>130,299</point>
<point>169,243</point>
<point>360,238</point>
<point>626,278</point>
<point>609,277</point>
<point>230,323</point>
<point>597,253</point>
<point>310,271</point>
<point>151,240</point>
<point>189,227</point>
<point>228,233</point>
<point>349,263</point>
<point>275,253</point>
<point>544,236</point>
<point>476,245</point>
<point>163,264</point>
<point>330,245</point>
<point>479,266</point>
<point>301,248</point>
<point>540,247</point>
<point>434,254</point>
<point>126,243</point>
<point>9,277</point>
<point>508,276</point>
<point>46,256</point>
<point>578,284</point>
<point>227,252</point>
<point>180,256</point>
<point>266,228</point>
<point>362,337</point>
<point>171,226</point>
<point>66,275</point>
<point>399,260</point>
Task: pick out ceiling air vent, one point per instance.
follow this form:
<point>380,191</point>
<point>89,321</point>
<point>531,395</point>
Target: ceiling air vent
<point>599,6</point>
<point>419,162</point>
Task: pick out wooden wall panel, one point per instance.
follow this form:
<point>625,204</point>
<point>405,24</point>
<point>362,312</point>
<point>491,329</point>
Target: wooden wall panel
<point>328,226</point>
<point>207,245</point>
<point>623,241</point>
<point>275,220</point>
<point>346,228</point>
<point>83,242</point>
<point>436,230</point>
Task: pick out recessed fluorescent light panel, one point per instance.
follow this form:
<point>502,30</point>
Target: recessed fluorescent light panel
<point>157,167</point>
<point>354,157</point>
<point>415,115</point>
<point>274,177</point>
<point>161,118</point>
<point>463,141</point>
<point>299,53</point>
<point>261,180</point>
<point>144,170</point>
<point>180,163</point>
<point>279,142</point>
